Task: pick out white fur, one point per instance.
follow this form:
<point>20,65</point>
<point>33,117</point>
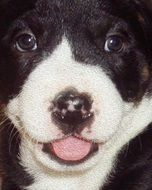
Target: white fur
<point>115,121</point>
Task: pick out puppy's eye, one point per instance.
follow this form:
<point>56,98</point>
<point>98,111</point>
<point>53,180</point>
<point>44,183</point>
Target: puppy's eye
<point>26,42</point>
<point>114,44</point>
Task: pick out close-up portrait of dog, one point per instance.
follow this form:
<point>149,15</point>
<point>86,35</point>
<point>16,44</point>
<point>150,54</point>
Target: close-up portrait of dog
<point>75,95</point>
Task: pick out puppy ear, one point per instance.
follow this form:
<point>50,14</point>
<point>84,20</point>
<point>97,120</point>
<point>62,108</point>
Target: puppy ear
<point>143,14</point>
<point>12,9</point>
<point>143,10</point>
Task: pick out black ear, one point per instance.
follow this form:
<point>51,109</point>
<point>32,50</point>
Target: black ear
<point>10,10</point>
<point>143,12</point>
<point>148,3</point>
<point>144,16</point>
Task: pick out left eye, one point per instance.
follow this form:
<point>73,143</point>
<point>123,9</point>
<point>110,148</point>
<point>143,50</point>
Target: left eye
<point>26,42</point>
<point>114,44</point>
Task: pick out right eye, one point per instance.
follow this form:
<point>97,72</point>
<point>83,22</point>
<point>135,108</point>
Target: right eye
<point>26,42</point>
<point>114,44</point>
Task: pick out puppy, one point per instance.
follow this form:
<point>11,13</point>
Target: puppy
<point>75,86</point>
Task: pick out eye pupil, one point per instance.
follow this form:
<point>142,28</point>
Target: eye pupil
<point>26,42</point>
<point>114,44</point>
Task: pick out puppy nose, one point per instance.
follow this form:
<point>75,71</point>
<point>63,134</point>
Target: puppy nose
<point>71,109</point>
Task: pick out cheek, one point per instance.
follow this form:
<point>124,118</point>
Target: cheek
<point>109,111</point>
<point>32,115</point>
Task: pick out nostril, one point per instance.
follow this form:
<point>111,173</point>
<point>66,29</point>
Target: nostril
<point>82,103</point>
<point>78,104</point>
<point>61,103</point>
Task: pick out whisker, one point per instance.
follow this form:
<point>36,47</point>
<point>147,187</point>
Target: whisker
<point>3,120</point>
<point>11,137</point>
<point>127,150</point>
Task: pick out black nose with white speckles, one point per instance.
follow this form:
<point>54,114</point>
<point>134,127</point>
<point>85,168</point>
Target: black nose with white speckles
<point>72,109</point>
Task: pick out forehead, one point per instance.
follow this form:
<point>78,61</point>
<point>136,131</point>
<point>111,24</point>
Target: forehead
<point>69,11</point>
<point>75,10</point>
<point>72,8</point>
<point>57,13</point>
<point>44,15</point>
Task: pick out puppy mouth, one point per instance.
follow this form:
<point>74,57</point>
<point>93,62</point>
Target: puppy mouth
<point>71,150</point>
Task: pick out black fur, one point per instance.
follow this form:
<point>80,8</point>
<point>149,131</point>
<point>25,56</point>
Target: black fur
<point>86,24</point>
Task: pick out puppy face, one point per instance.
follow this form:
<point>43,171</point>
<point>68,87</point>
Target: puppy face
<point>83,52</point>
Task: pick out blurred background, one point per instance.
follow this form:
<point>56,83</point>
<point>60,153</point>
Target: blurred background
<point>149,2</point>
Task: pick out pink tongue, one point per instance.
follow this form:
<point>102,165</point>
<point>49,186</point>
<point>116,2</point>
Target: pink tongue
<point>71,148</point>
